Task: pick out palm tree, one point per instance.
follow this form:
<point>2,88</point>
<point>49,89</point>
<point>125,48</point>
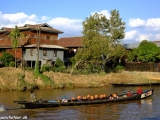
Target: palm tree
<point>14,35</point>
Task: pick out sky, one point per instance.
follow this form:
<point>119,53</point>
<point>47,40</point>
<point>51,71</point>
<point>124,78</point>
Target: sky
<point>141,17</point>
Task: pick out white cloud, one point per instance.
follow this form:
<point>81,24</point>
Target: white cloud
<point>149,24</point>
<point>10,20</point>
<point>103,12</point>
<point>43,18</point>
<point>153,24</point>
<point>136,22</point>
<point>141,37</point>
<point>157,37</point>
<point>130,35</point>
<point>18,17</point>
<point>72,24</point>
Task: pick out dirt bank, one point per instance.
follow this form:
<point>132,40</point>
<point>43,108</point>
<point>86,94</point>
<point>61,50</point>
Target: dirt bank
<point>17,79</point>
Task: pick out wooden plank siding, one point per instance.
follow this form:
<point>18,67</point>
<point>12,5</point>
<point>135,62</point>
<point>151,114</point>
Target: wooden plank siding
<point>48,36</point>
<point>50,54</point>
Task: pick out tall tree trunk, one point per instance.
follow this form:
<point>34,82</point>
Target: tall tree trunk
<point>75,66</point>
<point>37,59</point>
<point>15,57</point>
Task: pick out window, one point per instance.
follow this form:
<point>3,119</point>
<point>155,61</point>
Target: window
<point>48,37</point>
<point>44,52</point>
<point>34,36</point>
<point>55,53</point>
<point>31,53</point>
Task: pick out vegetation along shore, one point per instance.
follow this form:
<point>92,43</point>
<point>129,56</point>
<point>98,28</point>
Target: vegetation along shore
<point>18,79</point>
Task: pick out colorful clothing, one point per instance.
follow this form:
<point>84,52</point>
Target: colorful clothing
<point>139,91</point>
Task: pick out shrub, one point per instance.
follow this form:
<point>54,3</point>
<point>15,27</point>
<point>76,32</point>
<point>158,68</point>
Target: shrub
<point>45,68</point>
<point>118,68</point>
<point>59,62</point>
<point>11,64</point>
<point>6,58</point>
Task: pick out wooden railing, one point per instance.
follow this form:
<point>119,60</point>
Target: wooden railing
<point>153,67</point>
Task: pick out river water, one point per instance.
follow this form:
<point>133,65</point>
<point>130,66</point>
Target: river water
<point>146,109</point>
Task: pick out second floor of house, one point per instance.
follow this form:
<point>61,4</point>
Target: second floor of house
<point>42,33</point>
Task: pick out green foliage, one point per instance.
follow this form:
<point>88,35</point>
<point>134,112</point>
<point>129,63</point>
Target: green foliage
<point>132,55</point>
<point>118,68</point>
<point>59,62</point>
<point>146,52</point>
<point>11,64</point>
<point>101,36</point>
<point>7,59</point>
<point>45,68</point>
<point>47,80</point>
<point>36,72</point>
<point>14,35</point>
<point>59,66</point>
<point>58,69</point>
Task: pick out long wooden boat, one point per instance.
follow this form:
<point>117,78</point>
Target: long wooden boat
<point>135,84</point>
<point>57,103</point>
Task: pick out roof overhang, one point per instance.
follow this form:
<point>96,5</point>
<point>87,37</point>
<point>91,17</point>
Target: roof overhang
<point>46,46</point>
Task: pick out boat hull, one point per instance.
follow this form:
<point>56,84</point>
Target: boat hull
<point>136,84</point>
<point>47,104</point>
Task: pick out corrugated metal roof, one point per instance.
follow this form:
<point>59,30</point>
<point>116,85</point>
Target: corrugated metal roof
<point>46,46</point>
<point>157,43</point>
<point>131,46</point>
<point>43,27</point>
<point>70,42</point>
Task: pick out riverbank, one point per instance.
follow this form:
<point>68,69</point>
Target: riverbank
<point>18,79</point>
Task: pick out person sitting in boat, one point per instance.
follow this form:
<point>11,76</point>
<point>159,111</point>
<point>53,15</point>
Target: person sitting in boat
<point>92,98</point>
<point>64,99</point>
<point>73,99</point>
<point>115,95</point>
<point>139,91</point>
<point>79,98</point>
<point>129,94</point>
<point>33,96</point>
<point>96,97</point>
<point>124,94</point>
<point>110,97</point>
<point>88,97</point>
<point>104,96</point>
<point>84,98</point>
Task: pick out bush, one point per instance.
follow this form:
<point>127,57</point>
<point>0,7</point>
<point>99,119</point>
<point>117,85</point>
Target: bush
<point>45,68</point>
<point>11,64</point>
<point>7,59</point>
<point>59,62</point>
<point>118,68</point>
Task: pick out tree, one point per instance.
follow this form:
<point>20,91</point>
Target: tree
<point>132,55</point>
<point>101,37</point>
<point>15,35</point>
<point>6,58</point>
<point>147,51</point>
